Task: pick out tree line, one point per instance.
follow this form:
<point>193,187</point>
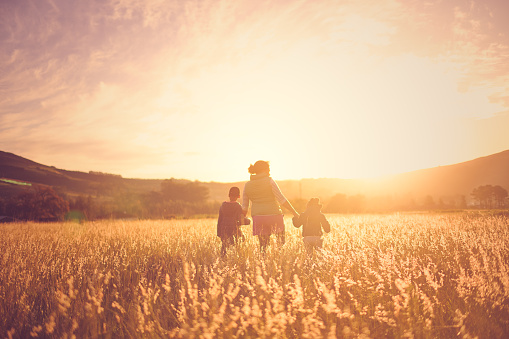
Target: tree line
<point>185,199</point>
<point>489,196</point>
<point>484,197</point>
<point>175,199</point>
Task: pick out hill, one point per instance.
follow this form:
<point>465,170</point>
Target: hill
<point>92,183</point>
<point>460,178</point>
<point>443,181</point>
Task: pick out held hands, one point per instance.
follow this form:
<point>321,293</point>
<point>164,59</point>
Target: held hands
<point>295,221</point>
<point>289,207</point>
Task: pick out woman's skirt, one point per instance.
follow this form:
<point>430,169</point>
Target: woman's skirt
<point>268,224</point>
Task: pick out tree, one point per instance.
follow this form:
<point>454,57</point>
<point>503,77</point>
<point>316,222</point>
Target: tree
<point>356,203</point>
<point>190,191</point>
<point>341,203</point>
<point>490,196</point>
<point>483,194</point>
<point>84,205</point>
<point>500,195</point>
<point>337,204</point>
<point>40,203</point>
<point>2,206</point>
<point>153,205</point>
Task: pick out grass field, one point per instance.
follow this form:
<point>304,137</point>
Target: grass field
<point>399,275</point>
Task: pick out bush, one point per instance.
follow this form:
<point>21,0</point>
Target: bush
<point>41,203</point>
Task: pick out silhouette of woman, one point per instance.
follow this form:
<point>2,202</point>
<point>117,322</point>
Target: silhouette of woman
<point>266,198</point>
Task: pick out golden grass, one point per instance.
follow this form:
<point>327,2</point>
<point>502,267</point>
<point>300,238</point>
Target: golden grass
<point>424,276</point>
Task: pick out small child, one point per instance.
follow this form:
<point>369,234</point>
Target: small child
<point>230,219</point>
<point>313,221</point>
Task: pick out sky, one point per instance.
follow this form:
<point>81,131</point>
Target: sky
<point>200,90</point>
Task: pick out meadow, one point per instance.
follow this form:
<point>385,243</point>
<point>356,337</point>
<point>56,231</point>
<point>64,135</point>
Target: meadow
<point>378,276</point>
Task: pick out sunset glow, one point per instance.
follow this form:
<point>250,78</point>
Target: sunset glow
<point>201,89</point>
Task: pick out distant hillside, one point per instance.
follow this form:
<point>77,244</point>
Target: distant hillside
<point>460,178</point>
<point>70,182</point>
<point>457,179</point>
<point>443,181</point>
<point>453,180</point>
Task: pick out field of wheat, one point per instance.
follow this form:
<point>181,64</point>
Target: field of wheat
<point>378,276</point>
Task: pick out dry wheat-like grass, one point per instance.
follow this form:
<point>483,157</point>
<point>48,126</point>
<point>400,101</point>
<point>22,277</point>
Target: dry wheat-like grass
<point>400,275</point>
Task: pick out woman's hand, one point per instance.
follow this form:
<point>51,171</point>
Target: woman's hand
<point>289,207</point>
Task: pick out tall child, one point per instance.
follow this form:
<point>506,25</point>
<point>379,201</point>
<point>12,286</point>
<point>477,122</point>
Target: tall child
<point>230,219</point>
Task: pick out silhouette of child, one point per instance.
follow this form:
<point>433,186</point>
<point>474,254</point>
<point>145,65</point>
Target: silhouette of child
<point>230,219</point>
<point>313,221</point>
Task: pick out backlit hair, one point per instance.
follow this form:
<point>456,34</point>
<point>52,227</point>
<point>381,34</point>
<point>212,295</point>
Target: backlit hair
<point>259,167</point>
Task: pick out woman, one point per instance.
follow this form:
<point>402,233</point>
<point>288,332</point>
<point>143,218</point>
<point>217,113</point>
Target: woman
<point>265,197</point>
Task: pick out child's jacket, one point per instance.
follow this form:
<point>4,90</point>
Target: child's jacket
<point>313,221</point>
<point>229,220</point>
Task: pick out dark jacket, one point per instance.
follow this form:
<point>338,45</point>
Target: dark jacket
<point>313,221</point>
<point>229,220</point>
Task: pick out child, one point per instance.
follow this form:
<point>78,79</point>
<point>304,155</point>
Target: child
<point>313,221</point>
<point>229,220</point>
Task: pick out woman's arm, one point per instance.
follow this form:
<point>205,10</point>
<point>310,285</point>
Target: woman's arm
<point>245,201</point>
<point>289,207</point>
<point>281,198</point>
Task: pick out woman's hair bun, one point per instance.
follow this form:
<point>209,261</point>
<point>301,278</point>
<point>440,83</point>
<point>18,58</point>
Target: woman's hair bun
<point>259,167</point>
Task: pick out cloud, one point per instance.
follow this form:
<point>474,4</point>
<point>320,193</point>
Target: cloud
<point>143,79</point>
